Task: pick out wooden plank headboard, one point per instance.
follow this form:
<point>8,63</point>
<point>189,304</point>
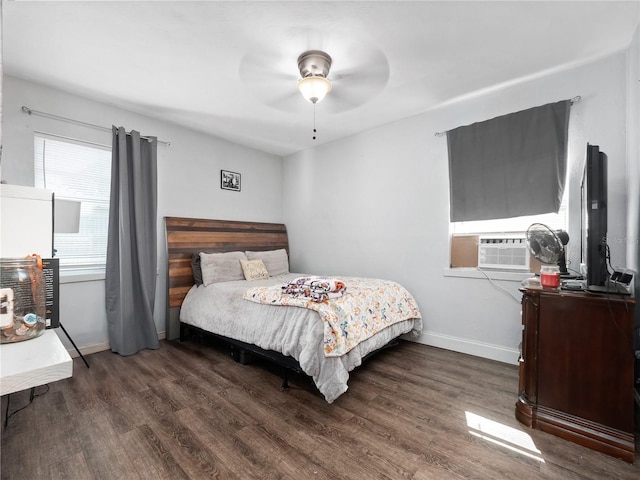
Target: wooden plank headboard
<point>188,235</point>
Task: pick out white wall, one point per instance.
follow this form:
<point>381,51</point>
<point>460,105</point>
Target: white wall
<point>188,183</point>
<point>633,166</point>
<point>377,204</point>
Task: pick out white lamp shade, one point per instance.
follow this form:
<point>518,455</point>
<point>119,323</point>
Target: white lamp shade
<point>314,88</point>
<point>66,216</point>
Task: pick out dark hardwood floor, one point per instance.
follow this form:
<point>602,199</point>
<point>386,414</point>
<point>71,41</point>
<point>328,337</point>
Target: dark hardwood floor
<point>188,411</point>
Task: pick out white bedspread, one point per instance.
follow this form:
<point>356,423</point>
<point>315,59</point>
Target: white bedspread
<point>293,331</point>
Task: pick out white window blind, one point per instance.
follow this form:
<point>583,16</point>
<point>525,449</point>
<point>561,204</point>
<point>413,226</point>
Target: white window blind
<point>79,171</point>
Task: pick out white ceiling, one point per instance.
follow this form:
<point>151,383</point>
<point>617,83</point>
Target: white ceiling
<point>229,68</point>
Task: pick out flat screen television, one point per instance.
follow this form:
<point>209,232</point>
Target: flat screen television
<point>594,218</point>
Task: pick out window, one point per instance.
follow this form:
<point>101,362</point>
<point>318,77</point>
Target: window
<point>468,237</point>
<point>509,166</point>
<point>79,171</point>
<point>555,221</point>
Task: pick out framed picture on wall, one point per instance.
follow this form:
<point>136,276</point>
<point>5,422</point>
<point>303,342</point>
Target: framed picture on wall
<point>229,180</point>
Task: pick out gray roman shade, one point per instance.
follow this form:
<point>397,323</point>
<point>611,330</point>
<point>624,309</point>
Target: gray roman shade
<point>509,166</point>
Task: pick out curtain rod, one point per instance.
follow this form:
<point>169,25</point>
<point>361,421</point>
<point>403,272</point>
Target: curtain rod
<point>573,100</point>
<point>30,111</point>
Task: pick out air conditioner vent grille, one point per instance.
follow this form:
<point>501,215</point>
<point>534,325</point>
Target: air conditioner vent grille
<point>503,253</point>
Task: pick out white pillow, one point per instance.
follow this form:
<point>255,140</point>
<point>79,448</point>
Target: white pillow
<point>221,267</point>
<point>276,261</point>
<point>254,270</point>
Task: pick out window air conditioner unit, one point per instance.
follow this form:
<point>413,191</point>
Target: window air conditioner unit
<point>504,253</point>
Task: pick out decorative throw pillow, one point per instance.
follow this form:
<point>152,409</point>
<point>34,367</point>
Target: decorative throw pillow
<point>221,267</point>
<point>254,270</point>
<point>195,269</point>
<point>276,261</point>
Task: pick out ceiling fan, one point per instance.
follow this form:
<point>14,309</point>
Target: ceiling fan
<point>352,72</point>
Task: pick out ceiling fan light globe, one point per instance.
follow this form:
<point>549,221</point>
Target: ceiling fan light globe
<point>314,88</point>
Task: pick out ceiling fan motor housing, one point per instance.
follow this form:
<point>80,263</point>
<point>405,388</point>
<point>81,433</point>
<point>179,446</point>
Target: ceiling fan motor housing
<point>314,63</point>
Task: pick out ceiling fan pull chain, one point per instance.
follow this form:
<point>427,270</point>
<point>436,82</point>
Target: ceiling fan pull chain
<point>314,121</point>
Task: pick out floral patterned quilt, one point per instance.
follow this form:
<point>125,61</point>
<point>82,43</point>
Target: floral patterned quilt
<point>367,307</point>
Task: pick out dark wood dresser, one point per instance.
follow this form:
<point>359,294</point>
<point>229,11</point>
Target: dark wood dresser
<point>577,368</point>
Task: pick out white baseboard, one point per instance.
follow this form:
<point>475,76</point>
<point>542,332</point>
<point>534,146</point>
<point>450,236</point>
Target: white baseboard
<point>470,347</point>
<point>99,347</point>
<point>456,344</point>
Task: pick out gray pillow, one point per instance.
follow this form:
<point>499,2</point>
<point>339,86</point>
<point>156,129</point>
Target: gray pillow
<point>195,269</point>
<point>276,261</point>
<point>221,267</point>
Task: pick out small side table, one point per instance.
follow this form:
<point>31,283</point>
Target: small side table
<point>34,362</point>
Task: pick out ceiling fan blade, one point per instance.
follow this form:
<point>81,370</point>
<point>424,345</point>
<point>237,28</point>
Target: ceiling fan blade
<point>289,102</point>
<point>358,74</point>
<point>379,70</point>
<point>347,94</point>
<point>359,60</point>
<point>338,102</point>
<point>269,77</point>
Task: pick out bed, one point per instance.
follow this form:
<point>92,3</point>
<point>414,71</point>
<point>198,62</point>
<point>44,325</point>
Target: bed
<point>233,310</point>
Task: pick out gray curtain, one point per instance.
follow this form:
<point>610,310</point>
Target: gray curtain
<point>509,166</point>
<point>131,245</point>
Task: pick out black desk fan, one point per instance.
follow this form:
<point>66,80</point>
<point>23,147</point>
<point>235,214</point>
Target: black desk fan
<point>548,246</point>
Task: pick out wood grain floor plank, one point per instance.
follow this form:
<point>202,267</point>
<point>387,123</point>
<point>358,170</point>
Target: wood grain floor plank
<point>48,407</point>
<point>379,457</point>
<point>196,457</point>
<point>333,420</point>
<point>136,409</point>
<point>320,448</point>
<point>79,392</point>
<point>22,443</point>
<point>171,360</point>
<point>482,458</point>
<point>129,379</point>
<point>206,374</point>
<point>103,452</point>
<point>237,457</point>
<point>73,467</point>
<point>149,456</point>
<point>292,464</point>
<point>257,380</point>
<point>252,450</point>
<point>434,472</point>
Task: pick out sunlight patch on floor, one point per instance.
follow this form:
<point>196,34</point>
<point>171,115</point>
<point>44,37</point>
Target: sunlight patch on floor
<point>502,435</point>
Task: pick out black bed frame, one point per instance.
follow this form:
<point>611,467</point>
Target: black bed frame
<point>242,352</point>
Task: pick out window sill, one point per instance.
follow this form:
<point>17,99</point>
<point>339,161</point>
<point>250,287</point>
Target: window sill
<point>482,274</point>
<point>77,276</point>
<point>87,275</point>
